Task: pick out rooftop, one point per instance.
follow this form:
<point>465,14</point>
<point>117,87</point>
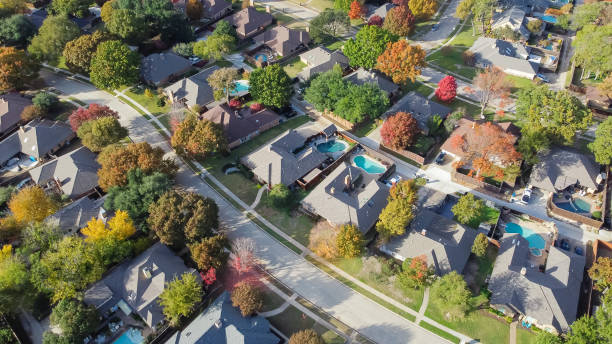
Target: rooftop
<point>238,124</point>
<point>421,108</point>
<point>157,68</point>
<point>194,89</point>
<point>36,139</point>
<point>561,167</point>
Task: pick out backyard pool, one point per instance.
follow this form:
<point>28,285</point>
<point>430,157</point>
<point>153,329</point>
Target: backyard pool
<point>536,242</point>
<point>241,86</point>
<point>331,146</point>
<point>549,19</point>
<point>261,57</point>
<point>368,164</point>
<point>131,336</point>
<point>576,205</point>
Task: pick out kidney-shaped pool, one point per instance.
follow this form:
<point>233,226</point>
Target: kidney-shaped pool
<point>368,164</point>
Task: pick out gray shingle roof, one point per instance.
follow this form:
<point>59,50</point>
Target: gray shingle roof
<point>37,139</point>
<point>510,57</point>
<point>233,328</point>
<point>362,76</point>
<point>11,106</point>
<point>243,124</point>
<point>512,18</point>
<point>421,108</point>
<point>382,10</point>
<point>550,297</point>
<point>320,60</point>
<point>213,8</point>
<point>157,68</point>
<point>75,215</point>
<point>76,171</point>
<point>283,40</point>
<point>562,167</point>
<point>194,89</point>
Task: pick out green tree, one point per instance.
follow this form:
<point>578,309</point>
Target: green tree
<point>79,52</point>
<point>531,143</point>
<point>369,43</point>
<point>344,5</point>
<point>223,82</point>
<point>587,14</point>
<point>326,89</point>
<point>592,50</point>
<point>183,49</point>
<point>601,273</point>
<point>468,208</point>
<point>9,7</point>
<point>211,252</point>
<point>280,196</point>
<point>194,137</point>
<point>248,298</point>
<point>329,25</point>
<point>307,336</point>
<point>563,21</point>
<point>214,47</point>
<point>77,8</point>
<point>52,37</point>
<point>16,30</point>
<point>14,284</point>
<point>350,241</point>
<point>111,250</point>
<point>6,192</point>
<point>584,331</point>
<point>479,248</point>
<point>40,236</point>
<point>544,337</point>
<point>601,146</point>
<point>180,297</point>
<point>45,100</point>
<point>99,133</point>
<point>450,293</point>
<point>114,65</point>
<point>534,25</point>
<point>223,27</point>
<point>415,273</point>
<point>271,86</point>
<point>53,338</point>
<point>128,25</point>
<point>362,102</point>
<point>16,68</point>
<point>75,319</point>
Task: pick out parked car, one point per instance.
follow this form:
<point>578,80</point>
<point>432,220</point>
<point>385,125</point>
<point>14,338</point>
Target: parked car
<point>527,195</point>
<point>435,27</point>
<point>23,183</point>
<point>440,158</point>
<point>543,78</point>
<point>579,251</point>
<point>564,245</point>
<point>11,165</point>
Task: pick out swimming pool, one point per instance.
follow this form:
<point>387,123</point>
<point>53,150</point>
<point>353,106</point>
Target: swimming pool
<point>368,164</point>
<point>331,146</point>
<point>240,86</point>
<point>261,57</point>
<point>131,336</point>
<point>581,206</point>
<point>549,19</point>
<point>536,242</point>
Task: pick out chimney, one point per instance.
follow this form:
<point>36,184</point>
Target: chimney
<point>424,232</point>
<point>523,271</point>
<point>218,323</point>
<point>347,181</point>
<point>252,3</point>
<point>268,9</point>
<point>332,190</point>
<point>146,272</point>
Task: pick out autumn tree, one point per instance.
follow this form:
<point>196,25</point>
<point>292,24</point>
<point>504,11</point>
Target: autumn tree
<point>271,86</point>
<point>479,248</point>
<point>357,11</point>
<point>399,211</point>
<point>307,336</point>
<point>447,89</point>
<point>101,132</point>
<point>322,241</point>
<point>194,9</point>
<point>601,146</point>
<point>114,65</point>
<point>77,8</point>
<point>492,84</point>
<point>119,226</point>
<point>31,204</point>
<point>8,7</point>
<point>52,37</point>
<point>399,131</point>
<point>369,43</point>
<point>350,241</point>
<point>16,68</point>
<point>196,137</point>
<point>223,81</point>
<point>401,61</point>
<point>31,112</point>
<point>76,319</point>
<point>93,111</point>
<point>415,273</point>
<point>423,9</point>
<point>399,20</point>
<point>601,273</point>
<point>79,52</point>
<point>180,297</point>
<point>329,25</point>
<point>451,294</point>
<point>243,256</point>
<point>375,20</point>
<point>211,252</point>
<point>468,208</point>
<point>248,298</point>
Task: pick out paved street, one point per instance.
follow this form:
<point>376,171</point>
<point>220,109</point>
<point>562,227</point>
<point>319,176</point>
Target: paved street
<point>290,8</point>
<point>447,23</point>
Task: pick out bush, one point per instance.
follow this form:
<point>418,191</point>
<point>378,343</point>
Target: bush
<point>350,241</point>
<point>307,336</point>
<point>45,100</point>
<point>184,49</point>
<point>469,59</point>
<point>248,298</point>
<point>161,102</point>
<point>255,107</point>
<point>280,196</point>
<point>446,50</point>
<point>31,112</point>
<point>235,103</point>
<point>596,215</point>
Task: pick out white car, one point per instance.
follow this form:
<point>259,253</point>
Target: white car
<point>526,195</point>
<point>12,165</point>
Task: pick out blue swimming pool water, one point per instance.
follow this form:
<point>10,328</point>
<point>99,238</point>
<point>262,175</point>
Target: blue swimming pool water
<point>240,86</point>
<point>331,146</point>
<point>131,336</point>
<point>549,19</point>
<point>548,47</point>
<point>536,242</point>
<point>261,57</point>
<point>369,165</point>
<point>581,206</point>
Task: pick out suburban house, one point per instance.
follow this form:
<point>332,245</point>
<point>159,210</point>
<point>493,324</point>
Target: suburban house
<point>241,125</point>
<point>563,167</point>
<point>74,174</point>
<point>216,9</point>
<point>193,90</point>
<point>159,69</point>
<point>546,297</point>
<point>321,60</point>
<point>289,157</point>
<point>512,58</point>
<point>37,140</point>
<point>38,16</point>
<point>513,18</point>
<point>445,243</point>
<point>249,21</point>
<point>11,106</point>
<point>75,215</point>
<point>348,195</point>
<point>222,323</point>
<point>135,286</point>
<point>421,108</point>
<point>382,11</point>
<point>283,41</point>
<point>362,76</point>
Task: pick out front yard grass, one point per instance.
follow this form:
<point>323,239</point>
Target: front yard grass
<point>294,66</point>
<point>295,224</point>
<point>422,145</point>
<point>525,336</point>
<point>293,320</point>
<point>335,45</point>
<point>271,300</point>
<point>137,94</point>
<point>61,111</point>
<point>282,19</point>
<point>366,128</point>
<point>489,216</point>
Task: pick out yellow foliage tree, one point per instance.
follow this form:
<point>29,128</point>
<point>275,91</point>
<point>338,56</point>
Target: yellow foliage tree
<point>95,230</point>
<point>120,226</point>
<point>31,205</point>
<point>6,252</point>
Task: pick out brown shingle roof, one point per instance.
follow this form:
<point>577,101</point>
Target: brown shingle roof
<point>282,40</point>
<point>239,124</point>
<point>249,20</point>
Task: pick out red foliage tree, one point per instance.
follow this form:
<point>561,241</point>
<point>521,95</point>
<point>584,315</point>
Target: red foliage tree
<point>357,11</point>
<point>399,20</point>
<point>418,270</point>
<point>457,141</point>
<point>255,107</point>
<point>235,103</point>
<point>375,20</point>
<point>94,111</point>
<point>399,131</point>
<point>209,277</point>
<point>486,144</point>
<point>447,89</point>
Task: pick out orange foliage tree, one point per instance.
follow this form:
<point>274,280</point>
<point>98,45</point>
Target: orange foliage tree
<point>16,68</point>
<point>493,84</point>
<point>357,11</point>
<point>401,61</point>
<point>399,131</point>
<point>31,204</point>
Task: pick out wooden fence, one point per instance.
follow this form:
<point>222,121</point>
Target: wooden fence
<point>480,186</point>
<point>406,153</point>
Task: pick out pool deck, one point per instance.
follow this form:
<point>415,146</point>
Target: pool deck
<point>545,231</point>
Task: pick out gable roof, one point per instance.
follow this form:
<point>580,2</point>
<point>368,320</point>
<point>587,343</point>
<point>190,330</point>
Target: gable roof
<point>249,20</point>
<point>283,40</point>
<point>320,60</point>
<point>157,68</point>
<point>562,167</point>
<point>37,139</point>
<point>359,206</point>
<point>221,323</point>
<point>213,8</point>
<point>238,124</point>
<point>512,18</point>
<point>128,282</point>
<point>362,76</point>
<point>11,106</point>
<point>76,171</point>
<point>75,215</point>
<point>490,51</point>
<point>465,129</point>
<point>194,89</point>
<point>421,108</point>
<point>382,11</point>
<point>550,297</point>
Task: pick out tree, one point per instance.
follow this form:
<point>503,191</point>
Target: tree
<point>450,292</point>
<point>329,25</point>
<point>194,9</point>
<point>180,217</point>
<point>375,20</point>
<point>243,254</point>
<point>583,331</point>
<point>45,100</point>
<point>9,7</point>
<point>280,196</point>
<point>368,44</point>
<point>326,89</point>
<point>399,211</point>
<point>184,49</point>
<point>79,52</point>
<point>350,241</point>
<point>77,8</point>
<point>223,81</point>
<point>248,298</point>
<point>464,9</point>
<point>399,20</point>
<point>6,192</point>
<point>114,65</point>
<point>415,273</point>
<point>14,283</point>
<point>483,11</point>
<point>271,86</point>
<point>214,47</point>
<point>106,11</point>
<point>468,208</point>
<point>196,137</point>
<point>447,89</point>
<point>211,252</point>
<point>31,112</point>
<point>423,9</point>
<point>605,87</point>
<point>223,27</point>
<point>492,84</point>
<point>16,68</point>
<point>592,51</point>
<point>75,319</point>
<point>479,248</point>
<point>16,30</point>
<point>322,241</point>
<point>119,226</point>
<point>601,273</point>
<point>361,102</point>
<point>602,143</point>
<point>101,132</point>
<point>40,236</point>
<point>343,5</point>
<point>92,112</point>
<point>31,204</point>
<point>534,26</point>
<point>180,296</point>
<point>128,25</point>
<point>52,37</point>
<point>544,337</point>
<point>356,11</point>
<point>307,336</point>
<point>593,13</point>
<point>401,61</point>
<point>399,131</point>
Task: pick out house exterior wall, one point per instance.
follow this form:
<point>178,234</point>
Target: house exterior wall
<point>236,143</point>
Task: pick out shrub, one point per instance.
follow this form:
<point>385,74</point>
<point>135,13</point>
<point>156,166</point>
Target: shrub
<point>45,100</point>
<point>350,241</point>
<point>307,336</point>
<point>596,215</point>
<point>375,20</point>
<point>280,196</point>
<point>248,298</point>
<point>469,59</point>
<point>161,102</point>
<point>235,103</point>
<point>31,112</point>
<point>255,107</point>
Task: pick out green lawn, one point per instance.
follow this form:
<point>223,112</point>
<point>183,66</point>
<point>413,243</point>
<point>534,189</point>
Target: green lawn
<point>271,300</point>
<point>524,336</point>
<point>418,87</point>
<point>319,5</point>
<point>149,103</point>
<point>283,19</point>
<point>454,60</point>
<point>489,216</point>
<point>294,66</point>
<point>365,128</point>
<point>222,63</point>
<point>519,83</point>
<point>439,332</point>
<point>335,45</point>
<point>293,320</point>
<point>422,145</point>
<point>295,224</point>
<point>471,109</point>
<point>165,120</point>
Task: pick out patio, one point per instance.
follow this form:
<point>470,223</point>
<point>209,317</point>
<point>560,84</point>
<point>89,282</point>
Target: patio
<point>539,234</point>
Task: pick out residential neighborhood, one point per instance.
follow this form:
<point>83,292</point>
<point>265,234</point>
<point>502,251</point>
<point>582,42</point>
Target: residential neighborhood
<point>305,172</point>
